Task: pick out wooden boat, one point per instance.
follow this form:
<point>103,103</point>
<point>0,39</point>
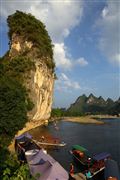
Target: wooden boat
<point>93,165</point>
<point>82,155</point>
<point>42,166</point>
<point>24,143</point>
<point>99,162</point>
<point>62,144</point>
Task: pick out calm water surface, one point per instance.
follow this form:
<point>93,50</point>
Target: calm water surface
<point>96,138</point>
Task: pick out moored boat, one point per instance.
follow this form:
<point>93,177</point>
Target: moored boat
<point>82,155</point>
<point>42,166</point>
<point>24,143</point>
<point>62,144</point>
<point>99,163</point>
<point>93,165</point>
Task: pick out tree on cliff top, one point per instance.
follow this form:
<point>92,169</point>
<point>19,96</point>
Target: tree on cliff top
<point>30,28</point>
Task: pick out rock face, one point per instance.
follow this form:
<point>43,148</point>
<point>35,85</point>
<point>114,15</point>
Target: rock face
<point>41,92</point>
<point>40,82</point>
<point>19,45</point>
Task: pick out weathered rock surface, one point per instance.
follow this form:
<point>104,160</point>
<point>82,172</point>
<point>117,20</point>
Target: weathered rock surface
<point>39,82</point>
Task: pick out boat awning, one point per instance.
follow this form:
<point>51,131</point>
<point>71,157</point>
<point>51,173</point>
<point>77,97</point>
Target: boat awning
<point>101,156</point>
<point>80,148</point>
<point>24,137</point>
<point>45,166</point>
<point>34,157</point>
<point>111,169</point>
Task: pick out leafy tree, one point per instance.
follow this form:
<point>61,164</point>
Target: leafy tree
<point>17,67</point>
<point>10,168</point>
<point>57,112</point>
<point>12,106</point>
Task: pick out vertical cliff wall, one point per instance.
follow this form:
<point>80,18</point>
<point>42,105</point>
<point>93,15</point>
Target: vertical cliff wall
<point>41,91</point>
<point>39,81</point>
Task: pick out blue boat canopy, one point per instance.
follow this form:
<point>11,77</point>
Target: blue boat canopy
<point>101,156</point>
<point>45,167</point>
<point>24,137</point>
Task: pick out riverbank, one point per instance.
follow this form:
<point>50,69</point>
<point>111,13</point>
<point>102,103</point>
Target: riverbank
<point>84,120</point>
<point>90,119</point>
<point>106,116</point>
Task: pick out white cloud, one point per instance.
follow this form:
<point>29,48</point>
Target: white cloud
<point>59,16</point>
<point>110,36</point>
<point>82,62</point>
<point>63,58</point>
<point>66,84</point>
<point>60,56</point>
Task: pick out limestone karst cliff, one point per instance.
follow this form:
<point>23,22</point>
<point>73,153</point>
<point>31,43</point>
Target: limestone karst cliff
<point>29,39</point>
<point>40,82</point>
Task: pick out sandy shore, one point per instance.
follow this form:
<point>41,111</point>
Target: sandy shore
<point>90,119</point>
<point>84,120</point>
<point>104,116</point>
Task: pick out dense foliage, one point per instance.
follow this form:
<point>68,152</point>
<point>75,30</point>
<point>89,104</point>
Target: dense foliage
<point>14,100</point>
<point>10,168</point>
<point>33,30</point>
<point>17,67</point>
<point>14,104</point>
<point>58,112</point>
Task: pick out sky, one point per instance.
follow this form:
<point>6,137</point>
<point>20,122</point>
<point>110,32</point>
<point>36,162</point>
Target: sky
<point>86,38</point>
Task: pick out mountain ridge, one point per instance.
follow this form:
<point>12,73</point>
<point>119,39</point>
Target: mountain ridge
<point>94,105</point>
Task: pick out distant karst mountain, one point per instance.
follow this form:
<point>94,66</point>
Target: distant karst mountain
<point>94,105</point>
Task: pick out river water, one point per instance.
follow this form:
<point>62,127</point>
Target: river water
<point>95,138</point>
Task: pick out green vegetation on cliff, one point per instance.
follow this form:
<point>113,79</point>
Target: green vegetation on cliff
<point>12,106</point>
<point>18,67</point>
<point>31,29</point>
<point>14,100</point>
<point>13,116</point>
